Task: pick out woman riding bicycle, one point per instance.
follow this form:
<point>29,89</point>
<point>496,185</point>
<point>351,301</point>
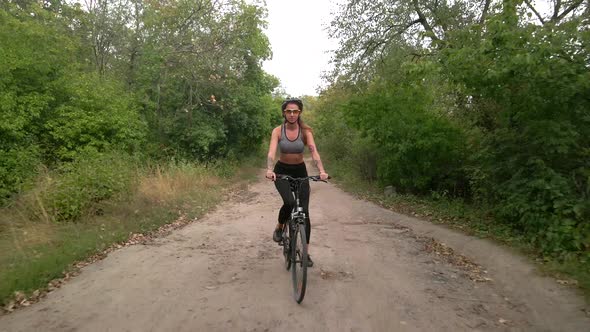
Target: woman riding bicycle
<point>291,138</point>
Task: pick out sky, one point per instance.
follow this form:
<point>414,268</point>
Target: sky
<point>299,42</point>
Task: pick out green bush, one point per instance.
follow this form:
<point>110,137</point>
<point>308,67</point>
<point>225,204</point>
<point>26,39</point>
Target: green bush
<point>32,57</point>
<point>92,113</point>
<point>17,166</point>
<point>530,105</point>
<point>417,149</point>
<point>75,188</point>
<point>50,109</point>
<point>200,136</point>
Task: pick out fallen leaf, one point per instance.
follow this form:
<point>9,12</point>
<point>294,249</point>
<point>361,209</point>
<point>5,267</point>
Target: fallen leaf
<point>10,306</point>
<point>567,282</point>
<point>19,296</point>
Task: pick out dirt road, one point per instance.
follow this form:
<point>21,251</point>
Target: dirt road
<point>375,270</point>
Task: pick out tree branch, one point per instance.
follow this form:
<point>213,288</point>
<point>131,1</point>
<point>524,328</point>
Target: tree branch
<point>187,20</point>
<point>556,10</point>
<point>376,44</point>
<point>409,25</point>
<point>423,21</point>
<point>406,27</point>
<point>484,13</point>
<point>568,10</point>
<point>530,5</point>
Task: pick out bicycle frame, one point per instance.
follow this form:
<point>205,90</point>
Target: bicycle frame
<point>297,211</point>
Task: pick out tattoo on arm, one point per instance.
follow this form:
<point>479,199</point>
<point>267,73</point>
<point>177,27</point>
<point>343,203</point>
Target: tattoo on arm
<point>318,164</point>
<point>269,163</point>
<point>316,160</point>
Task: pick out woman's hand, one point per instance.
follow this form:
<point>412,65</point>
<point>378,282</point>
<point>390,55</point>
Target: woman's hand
<point>324,176</point>
<point>271,175</point>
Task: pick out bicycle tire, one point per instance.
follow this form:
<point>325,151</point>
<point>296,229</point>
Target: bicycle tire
<point>299,262</point>
<point>287,247</point>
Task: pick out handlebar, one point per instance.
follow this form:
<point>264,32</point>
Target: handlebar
<point>290,178</point>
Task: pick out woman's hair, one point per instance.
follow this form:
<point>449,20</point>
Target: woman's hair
<point>295,101</point>
<point>304,128</point>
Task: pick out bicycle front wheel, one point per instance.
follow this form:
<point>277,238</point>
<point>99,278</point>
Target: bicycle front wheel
<point>287,246</point>
<point>299,261</point>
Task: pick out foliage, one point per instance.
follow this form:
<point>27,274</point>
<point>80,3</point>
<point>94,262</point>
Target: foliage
<point>490,104</point>
<point>18,164</point>
<point>91,114</point>
<point>73,190</point>
<point>179,78</point>
<point>33,55</point>
<point>533,159</point>
<point>51,110</point>
<point>414,145</point>
<point>216,50</point>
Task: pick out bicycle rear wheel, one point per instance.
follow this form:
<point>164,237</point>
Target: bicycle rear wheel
<point>299,261</point>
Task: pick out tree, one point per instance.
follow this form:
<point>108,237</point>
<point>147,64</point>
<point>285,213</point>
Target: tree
<point>369,29</point>
<point>507,98</point>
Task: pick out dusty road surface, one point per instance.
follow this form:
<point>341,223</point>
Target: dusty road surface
<point>375,270</point>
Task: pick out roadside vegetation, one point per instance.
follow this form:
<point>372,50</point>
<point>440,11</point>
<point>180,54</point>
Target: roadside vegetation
<point>475,115</point>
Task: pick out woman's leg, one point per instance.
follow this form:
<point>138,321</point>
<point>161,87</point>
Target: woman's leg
<point>284,190</point>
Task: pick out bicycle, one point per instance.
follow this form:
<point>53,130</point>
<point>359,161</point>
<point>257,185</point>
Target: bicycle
<point>294,238</point>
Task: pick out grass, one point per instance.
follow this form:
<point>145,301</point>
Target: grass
<point>34,249</point>
<point>467,218</point>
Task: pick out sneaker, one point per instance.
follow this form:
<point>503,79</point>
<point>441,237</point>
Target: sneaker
<point>277,235</point>
<point>309,261</point>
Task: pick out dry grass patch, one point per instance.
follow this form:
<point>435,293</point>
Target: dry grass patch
<point>172,182</point>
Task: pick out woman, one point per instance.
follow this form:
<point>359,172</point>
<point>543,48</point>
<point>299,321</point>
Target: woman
<point>291,138</point>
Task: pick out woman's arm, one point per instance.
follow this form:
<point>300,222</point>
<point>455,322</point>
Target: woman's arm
<point>315,156</point>
<point>272,150</point>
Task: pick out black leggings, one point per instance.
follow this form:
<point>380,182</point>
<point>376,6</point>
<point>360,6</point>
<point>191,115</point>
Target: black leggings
<point>283,187</point>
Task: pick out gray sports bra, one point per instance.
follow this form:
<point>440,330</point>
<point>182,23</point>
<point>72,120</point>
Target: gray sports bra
<point>288,146</point>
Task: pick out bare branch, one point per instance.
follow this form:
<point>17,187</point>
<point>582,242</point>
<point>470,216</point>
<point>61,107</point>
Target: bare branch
<point>530,5</point>
<point>484,13</point>
<point>556,10</point>
<point>405,27</point>
<point>373,45</point>
<point>409,25</point>
<point>568,10</point>
<point>423,21</point>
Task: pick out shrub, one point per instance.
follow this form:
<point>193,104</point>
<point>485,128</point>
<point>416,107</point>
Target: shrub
<point>17,166</point>
<point>75,188</point>
<point>417,149</point>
